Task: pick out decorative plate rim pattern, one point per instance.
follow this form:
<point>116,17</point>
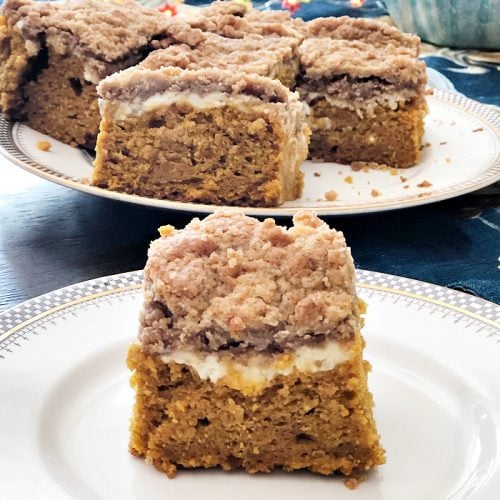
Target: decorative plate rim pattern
<point>489,175</point>
<point>23,319</point>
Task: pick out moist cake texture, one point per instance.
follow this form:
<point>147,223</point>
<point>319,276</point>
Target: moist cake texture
<point>54,53</point>
<point>250,353</point>
<point>365,91</point>
<point>191,136</point>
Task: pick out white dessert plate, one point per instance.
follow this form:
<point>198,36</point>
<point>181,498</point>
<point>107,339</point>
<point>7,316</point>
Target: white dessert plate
<point>461,153</point>
<point>66,401</point>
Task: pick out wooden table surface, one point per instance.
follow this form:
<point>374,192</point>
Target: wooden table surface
<point>52,236</point>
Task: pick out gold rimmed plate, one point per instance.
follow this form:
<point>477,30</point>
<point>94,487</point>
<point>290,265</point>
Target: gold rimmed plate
<point>66,400</point>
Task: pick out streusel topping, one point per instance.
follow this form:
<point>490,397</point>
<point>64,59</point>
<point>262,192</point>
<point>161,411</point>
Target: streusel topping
<point>231,281</point>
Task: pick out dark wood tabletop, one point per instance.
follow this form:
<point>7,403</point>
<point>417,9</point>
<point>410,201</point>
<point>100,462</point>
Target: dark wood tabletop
<point>52,236</point>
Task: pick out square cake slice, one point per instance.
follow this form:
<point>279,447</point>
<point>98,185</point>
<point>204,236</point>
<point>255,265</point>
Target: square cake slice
<point>365,89</point>
<point>54,53</point>
<point>207,136</point>
<point>250,351</point>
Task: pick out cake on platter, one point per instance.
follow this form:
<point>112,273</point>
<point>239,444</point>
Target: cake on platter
<point>250,351</point>
<point>359,81</point>
<point>208,136</point>
<point>55,53</point>
<point>365,91</point>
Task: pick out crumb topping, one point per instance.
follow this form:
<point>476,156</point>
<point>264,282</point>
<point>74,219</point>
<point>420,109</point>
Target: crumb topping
<point>252,54</point>
<point>374,33</point>
<point>235,20</point>
<point>104,30</point>
<point>139,83</point>
<point>232,279</point>
<point>324,58</point>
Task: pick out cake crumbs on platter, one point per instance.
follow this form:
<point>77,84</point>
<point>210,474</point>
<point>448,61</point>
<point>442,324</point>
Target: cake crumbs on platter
<point>422,195</point>
<point>406,186</point>
<point>349,179</point>
<point>365,166</point>
<point>85,181</point>
<point>393,171</point>
<point>317,174</point>
<point>447,160</point>
<point>403,179</point>
<point>331,195</point>
<point>480,129</point>
<point>352,482</point>
<point>375,193</point>
<point>44,145</point>
<point>442,143</point>
<point>427,145</point>
<point>424,184</point>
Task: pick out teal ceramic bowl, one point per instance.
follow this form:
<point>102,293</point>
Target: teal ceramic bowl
<point>472,24</point>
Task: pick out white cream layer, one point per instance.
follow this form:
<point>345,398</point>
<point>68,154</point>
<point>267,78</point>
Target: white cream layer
<point>199,101</point>
<point>259,369</point>
<point>363,106</point>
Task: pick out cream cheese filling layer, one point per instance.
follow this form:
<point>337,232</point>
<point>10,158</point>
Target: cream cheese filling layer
<point>258,370</point>
<point>199,101</point>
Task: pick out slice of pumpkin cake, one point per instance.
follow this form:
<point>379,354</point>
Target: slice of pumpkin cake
<point>250,352</point>
<point>365,89</point>
<point>207,136</point>
<point>54,53</point>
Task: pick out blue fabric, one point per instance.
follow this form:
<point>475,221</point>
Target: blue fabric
<point>325,8</point>
<point>477,81</point>
<point>454,244</point>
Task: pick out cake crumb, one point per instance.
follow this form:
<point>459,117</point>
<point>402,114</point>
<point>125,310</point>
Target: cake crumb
<point>317,174</point>
<point>44,145</point>
<point>366,166</point>
<point>375,193</point>
<point>166,230</point>
<point>427,145</point>
<point>424,184</point>
<point>331,195</point>
<point>406,186</point>
<point>447,160</point>
<point>480,129</point>
<point>393,171</point>
<point>349,179</point>
<point>352,482</point>
<point>443,143</point>
<point>453,123</point>
<point>403,179</point>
